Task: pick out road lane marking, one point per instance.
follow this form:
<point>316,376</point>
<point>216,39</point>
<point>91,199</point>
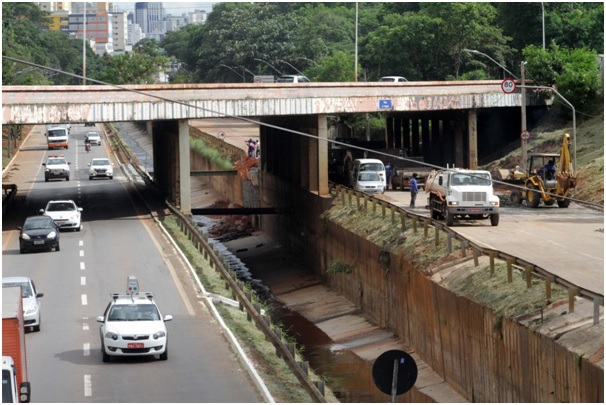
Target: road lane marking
<point>82,267</point>
<point>81,243</point>
<point>86,349</point>
<point>85,323</point>
<point>82,280</point>
<point>81,253</point>
<point>88,386</point>
<point>84,299</point>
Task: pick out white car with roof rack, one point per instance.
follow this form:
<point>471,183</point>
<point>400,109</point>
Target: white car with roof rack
<point>132,325</point>
<point>56,167</point>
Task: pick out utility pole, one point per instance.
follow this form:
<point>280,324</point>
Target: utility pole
<point>84,49</point>
<point>523,103</point>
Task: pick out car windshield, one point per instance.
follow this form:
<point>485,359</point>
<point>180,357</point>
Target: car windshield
<point>37,223</point>
<point>55,161</point>
<point>93,134</point>
<point>373,167</point>
<point>100,162</point>
<point>140,312</point>
<point>26,290</point>
<point>56,132</point>
<point>60,206</point>
<point>369,176</point>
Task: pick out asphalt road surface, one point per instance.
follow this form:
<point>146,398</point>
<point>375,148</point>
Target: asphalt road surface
<point>567,242</point>
<point>118,239</point>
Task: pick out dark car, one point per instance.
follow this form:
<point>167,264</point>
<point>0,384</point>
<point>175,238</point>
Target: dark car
<point>39,233</point>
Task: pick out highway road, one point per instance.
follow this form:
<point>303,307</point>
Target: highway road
<point>118,239</point>
<point>567,242</point>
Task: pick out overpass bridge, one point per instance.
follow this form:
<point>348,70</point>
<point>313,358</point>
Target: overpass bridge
<point>447,122</point>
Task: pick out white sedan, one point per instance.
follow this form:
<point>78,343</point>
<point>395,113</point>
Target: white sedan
<point>31,300</point>
<point>369,182</point>
<point>65,214</point>
<point>93,137</point>
<point>100,167</point>
<point>133,326</point>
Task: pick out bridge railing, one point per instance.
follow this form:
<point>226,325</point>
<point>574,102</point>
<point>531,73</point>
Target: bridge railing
<point>397,214</point>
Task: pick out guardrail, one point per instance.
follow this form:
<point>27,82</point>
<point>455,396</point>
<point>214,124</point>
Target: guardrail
<point>367,202</point>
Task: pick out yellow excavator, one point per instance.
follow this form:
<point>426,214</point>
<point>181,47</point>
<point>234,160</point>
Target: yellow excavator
<point>548,177</point>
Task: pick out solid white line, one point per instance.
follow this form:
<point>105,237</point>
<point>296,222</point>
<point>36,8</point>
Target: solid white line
<point>86,349</point>
<point>82,266</point>
<point>84,300</point>
<point>82,280</point>
<point>88,386</point>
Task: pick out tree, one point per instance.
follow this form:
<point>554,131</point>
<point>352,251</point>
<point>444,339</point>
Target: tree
<point>574,72</point>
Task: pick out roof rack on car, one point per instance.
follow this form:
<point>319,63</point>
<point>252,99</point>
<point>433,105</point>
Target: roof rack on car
<point>132,295</point>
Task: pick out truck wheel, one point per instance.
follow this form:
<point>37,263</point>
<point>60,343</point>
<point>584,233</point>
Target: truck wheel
<point>549,203</point>
<point>533,196</point>
<point>449,218</point>
<point>564,203</point>
<point>516,197</point>
<point>494,219</point>
<point>46,179</point>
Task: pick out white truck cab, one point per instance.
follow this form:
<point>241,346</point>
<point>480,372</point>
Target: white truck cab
<point>462,194</point>
<point>11,393</point>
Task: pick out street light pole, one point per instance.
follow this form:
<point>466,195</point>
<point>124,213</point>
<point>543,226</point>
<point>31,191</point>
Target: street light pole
<point>523,103</point>
<point>309,60</point>
<point>543,17</point>
<point>494,61</point>
<point>268,64</point>
<point>243,78</point>
<point>296,70</point>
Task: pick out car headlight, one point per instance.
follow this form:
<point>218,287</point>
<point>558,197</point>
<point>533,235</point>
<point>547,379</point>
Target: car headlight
<point>494,203</point>
<point>31,310</point>
<point>52,235</point>
<point>25,236</point>
<point>111,335</point>
<point>160,334</point>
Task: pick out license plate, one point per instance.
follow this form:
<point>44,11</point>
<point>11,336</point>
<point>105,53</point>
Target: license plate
<point>136,345</point>
<point>475,210</point>
<point>38,242</point>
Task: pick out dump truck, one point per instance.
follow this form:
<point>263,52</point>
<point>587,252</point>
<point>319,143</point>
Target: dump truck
<point>403,171</point>
<point>15,386</point>
<point>548,177</point>
<point>461,194</point>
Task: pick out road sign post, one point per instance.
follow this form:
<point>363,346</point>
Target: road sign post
<point>525,135</point>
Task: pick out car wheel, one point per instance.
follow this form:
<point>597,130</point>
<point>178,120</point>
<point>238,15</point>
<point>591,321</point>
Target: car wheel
<point>494,219</point>
<point>111,177</point>
<point>90,177</point>
<point>57,248</point>
<point>36,328</point>
<point>164,356</point>
<point>79,228</point>
<point>46,180</point>
<point>104,356</point>
<point>67,178</point>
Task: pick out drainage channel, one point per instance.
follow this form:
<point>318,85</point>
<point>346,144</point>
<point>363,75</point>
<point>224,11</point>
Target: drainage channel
<point>348,376</point>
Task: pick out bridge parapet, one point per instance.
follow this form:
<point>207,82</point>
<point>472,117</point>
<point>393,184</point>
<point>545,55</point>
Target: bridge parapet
<point>75,104</point>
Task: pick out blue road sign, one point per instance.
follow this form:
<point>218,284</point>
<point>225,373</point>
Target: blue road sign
<point>385,104</point>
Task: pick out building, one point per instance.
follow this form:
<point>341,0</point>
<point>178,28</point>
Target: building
<point>151,18</point>
<point>120,31</point>
<point>197,17</point>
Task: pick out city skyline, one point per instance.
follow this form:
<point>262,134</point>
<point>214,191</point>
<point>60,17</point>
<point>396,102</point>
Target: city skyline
<point>176,8</point>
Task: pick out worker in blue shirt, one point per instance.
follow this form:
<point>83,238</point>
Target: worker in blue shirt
<point>414,189</point>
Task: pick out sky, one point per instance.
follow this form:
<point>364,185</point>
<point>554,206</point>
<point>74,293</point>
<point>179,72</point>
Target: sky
<point>172,7</point>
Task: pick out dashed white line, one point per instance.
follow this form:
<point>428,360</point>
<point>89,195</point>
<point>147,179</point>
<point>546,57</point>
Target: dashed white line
<point>88,386</point>
<point>86,349</point>
<point>82,280</point>
<point>81,243</point>
<point>81,253</point>
<point>82,267</point>
<point>84,299</point>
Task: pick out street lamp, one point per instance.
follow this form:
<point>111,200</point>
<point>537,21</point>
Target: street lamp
<point>243,78</point>
<point>494,61</point>
<point>268,64</point>
<point>296,70</point>
<point>309,60</point>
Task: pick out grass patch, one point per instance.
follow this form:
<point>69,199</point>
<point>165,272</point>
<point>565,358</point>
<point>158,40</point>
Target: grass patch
<point>278,378</point>
<point>213,155</point>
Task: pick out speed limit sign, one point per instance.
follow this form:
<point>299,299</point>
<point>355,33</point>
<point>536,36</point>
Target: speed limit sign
<point>508,86</point>
<point>525,135</point>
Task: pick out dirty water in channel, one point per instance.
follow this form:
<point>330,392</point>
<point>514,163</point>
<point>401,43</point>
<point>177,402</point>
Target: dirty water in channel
<point>348,376</point>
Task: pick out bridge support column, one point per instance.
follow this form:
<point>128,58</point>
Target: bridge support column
<point>318,158</point>
<point>184,168</point>
<point>459,142</point>
<point>472,125</point>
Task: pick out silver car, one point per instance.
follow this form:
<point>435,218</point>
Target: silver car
<point>31,299</point>
<point>93,137</point>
